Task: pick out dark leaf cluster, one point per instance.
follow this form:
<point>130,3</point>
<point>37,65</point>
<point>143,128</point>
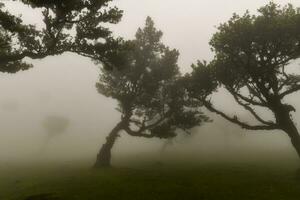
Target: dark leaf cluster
<point>68,25</point>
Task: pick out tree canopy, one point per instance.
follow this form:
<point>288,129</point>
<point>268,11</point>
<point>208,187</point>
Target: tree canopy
<point>68,25</point>
<point>151,99</point>
<point>252,62</point>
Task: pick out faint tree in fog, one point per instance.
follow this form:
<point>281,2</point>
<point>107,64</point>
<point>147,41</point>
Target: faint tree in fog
<point>171,142</point>
<point>148,89</point>
<point>68,26</point>
<point>55,126</point>
<point>252,57</point>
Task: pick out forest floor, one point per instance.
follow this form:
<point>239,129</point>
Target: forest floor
<point>215,181</point>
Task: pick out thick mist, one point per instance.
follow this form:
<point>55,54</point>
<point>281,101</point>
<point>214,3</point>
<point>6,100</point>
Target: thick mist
<point>65,86</point>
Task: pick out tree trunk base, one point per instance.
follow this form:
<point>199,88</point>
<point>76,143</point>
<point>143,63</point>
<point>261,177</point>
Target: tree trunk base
<point>101,166</point>
<point>104,156</point>
<point>103,161</point>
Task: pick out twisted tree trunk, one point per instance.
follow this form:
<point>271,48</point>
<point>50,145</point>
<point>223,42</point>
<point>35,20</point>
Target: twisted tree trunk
<point>287,124</point>
<point>296,144</point>
<point>104,156</point>
<point>293,133</point>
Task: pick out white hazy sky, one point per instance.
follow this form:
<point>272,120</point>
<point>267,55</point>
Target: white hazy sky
<point>65,85</point>
<point>187,25</point>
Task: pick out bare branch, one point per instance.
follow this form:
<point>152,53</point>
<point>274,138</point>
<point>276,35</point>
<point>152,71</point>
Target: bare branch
<point>143,128</point>
<point>251,110</point>
<point>250,100</point>
<point>256,92</point>
<point>290,91</point>
<point>238,122</point>
<point>139,133</point>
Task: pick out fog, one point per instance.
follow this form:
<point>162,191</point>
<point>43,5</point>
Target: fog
<point>65,86</point>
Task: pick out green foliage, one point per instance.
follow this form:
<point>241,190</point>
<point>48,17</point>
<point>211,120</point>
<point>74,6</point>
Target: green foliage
<point>74,26</point>
<point>252,56</point>
<point>201,82</point>
<point>256,49</point>
<point>149,88</point>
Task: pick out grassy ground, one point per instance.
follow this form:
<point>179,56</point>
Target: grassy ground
<point>206,182</point>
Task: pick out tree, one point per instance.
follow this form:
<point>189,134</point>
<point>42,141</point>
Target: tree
<point>55,126</point>
<point>68,25</point>
<point>252,57</point>
<point>148,89</point>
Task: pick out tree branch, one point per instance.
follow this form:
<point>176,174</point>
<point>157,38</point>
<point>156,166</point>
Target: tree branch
<point>251,110</point>
<point>255,92</point>
<point>249,100</point>
<point>238,122</point>
<point>138,133</point>
<point>290,91</point>
<point>143,128</point>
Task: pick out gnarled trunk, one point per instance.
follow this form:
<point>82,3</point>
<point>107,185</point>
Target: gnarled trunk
<point>293,133</point>
<point>286,123</point>
<point>104,155</point>
<point>296,144</point>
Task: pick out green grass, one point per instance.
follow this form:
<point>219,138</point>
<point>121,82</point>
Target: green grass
<point>204,182</point>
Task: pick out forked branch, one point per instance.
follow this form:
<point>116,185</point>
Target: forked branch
<point>235,120</point>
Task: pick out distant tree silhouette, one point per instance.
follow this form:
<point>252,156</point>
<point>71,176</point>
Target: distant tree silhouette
<point>55,126</point>
<point>252,57</point>
<point>151,100</point>
<point>68,25</point>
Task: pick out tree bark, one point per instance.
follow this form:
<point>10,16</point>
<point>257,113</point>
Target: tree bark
<point>293,133</point>
<point>104,156</point>
<point>296,144</point>
<point>286,123</point>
